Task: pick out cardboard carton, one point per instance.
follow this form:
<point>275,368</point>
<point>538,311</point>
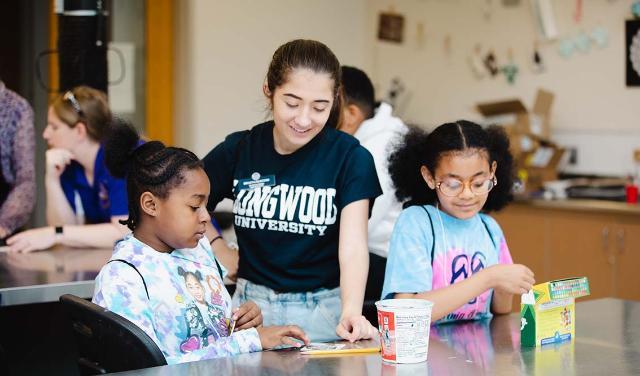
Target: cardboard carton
<point>537,158</point>
<point>535,122</point>
<point>540,164</point>
<point>547,312</point>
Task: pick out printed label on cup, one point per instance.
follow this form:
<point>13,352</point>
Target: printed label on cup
<point>404,329</point>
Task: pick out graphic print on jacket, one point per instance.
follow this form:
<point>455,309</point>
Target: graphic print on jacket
<point>163,312</point>
<point>205,321</point>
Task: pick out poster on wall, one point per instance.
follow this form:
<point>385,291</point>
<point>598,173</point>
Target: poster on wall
<point>390,27</point>
<point>633,52</point>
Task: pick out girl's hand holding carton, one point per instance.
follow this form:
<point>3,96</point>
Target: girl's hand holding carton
<point>512,279</point>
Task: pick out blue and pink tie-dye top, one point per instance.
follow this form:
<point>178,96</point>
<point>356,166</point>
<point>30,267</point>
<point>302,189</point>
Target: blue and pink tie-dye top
<point>462,247</point>
<point>186,311</point>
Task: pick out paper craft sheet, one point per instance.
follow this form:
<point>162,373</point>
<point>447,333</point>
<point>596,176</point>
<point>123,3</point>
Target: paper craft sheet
<point>338,348</point>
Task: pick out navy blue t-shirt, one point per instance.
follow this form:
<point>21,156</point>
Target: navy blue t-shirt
<point>287,207</point>
<point>106,198</point>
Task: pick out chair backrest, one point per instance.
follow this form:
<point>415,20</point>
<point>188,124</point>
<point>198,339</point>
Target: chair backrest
<point>108,342</point>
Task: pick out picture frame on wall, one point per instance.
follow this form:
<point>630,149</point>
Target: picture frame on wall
<point>632,48</point>
<point>391,27</point>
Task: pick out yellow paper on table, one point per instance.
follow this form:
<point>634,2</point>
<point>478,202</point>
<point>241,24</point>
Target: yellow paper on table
<point>337,348</point>
<point>547,312</point>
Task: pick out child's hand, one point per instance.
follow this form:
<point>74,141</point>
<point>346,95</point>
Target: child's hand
<point>272,336</point>
<point>247,316</point>
<point>512,279</point>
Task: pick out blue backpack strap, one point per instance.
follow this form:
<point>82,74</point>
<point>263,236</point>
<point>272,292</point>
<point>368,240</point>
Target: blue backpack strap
<point>219,267</point>
<point>433,233</point>
<point>137,271</point>
<point>213,256</point>
<point>486,227</point>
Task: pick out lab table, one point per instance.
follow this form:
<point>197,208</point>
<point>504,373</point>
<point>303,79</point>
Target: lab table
<point>607,342</point>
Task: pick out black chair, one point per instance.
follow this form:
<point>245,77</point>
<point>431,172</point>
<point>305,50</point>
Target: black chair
<point>4,362</point>
<point>108,342</point>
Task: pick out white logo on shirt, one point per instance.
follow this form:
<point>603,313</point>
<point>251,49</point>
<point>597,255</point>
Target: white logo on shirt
<point>295,209</point>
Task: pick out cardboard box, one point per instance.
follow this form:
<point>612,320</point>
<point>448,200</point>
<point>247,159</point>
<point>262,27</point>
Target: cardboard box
<point>547,312</point>
<point>540,165</point>
<point>537,158</point>
<point>535,122</point>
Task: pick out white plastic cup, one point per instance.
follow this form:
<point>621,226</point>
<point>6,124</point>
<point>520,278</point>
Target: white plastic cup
<point>404,329</point>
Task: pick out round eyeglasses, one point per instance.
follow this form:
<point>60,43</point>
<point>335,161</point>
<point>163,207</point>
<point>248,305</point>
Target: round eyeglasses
<point>454,187</point>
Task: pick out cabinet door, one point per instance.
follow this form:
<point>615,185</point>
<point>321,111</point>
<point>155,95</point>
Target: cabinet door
<point>524,229</point>
<point>627,247</point>
<point>580,244</point>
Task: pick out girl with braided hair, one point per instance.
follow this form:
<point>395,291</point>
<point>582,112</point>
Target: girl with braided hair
<point>154,277</point>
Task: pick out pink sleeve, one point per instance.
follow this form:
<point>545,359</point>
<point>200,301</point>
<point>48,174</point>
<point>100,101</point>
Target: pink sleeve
<point>505,256</point>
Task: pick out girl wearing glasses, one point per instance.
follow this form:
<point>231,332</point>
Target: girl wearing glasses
<point>84,202</point>
<point>444,248</point>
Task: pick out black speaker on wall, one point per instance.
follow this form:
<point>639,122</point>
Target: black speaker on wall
<point>82,44</point>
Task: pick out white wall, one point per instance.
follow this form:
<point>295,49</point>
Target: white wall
<point>601,152</point>
<point>590,88</point>
<point>223,49</point>
<point>593,111</point>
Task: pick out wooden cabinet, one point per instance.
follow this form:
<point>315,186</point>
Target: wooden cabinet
<point>579,245</point>
<point>559,242</point>
<point>627,259</point>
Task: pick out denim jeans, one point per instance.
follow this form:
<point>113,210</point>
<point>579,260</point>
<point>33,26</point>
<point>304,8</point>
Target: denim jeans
<point>316,312</point>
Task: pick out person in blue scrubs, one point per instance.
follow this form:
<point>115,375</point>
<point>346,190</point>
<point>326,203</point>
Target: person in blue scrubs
<point>84,202</point>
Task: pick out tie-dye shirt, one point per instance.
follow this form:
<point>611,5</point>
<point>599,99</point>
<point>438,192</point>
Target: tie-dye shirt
<point>461,248</point>
<point>185,313</point>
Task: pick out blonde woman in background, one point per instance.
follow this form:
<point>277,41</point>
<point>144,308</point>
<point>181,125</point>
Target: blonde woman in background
<point>84,202</point>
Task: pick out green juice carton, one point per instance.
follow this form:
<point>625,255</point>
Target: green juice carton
<point>547,312</point>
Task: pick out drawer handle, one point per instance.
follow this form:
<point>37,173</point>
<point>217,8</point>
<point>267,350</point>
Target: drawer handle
<point>605,238</point>
<point>620,240</point>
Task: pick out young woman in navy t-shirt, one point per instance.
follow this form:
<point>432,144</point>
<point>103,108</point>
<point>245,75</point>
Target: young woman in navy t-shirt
<point>302,195</point>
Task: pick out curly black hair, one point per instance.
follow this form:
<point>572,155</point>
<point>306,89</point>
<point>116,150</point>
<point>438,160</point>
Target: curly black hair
<point>147,167</point>
<point>419,148</point>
